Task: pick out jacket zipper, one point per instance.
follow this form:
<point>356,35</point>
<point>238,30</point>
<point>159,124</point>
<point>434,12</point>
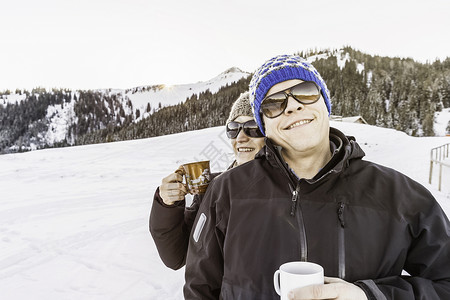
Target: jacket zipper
<point>301,224</point>
<point>299,216</point>
<point>341,240</point>
<point>294,201</point>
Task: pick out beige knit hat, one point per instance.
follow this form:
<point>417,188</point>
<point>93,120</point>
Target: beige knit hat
<point>241,107</point>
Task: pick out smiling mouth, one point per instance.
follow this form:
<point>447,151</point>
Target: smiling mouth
<point>298,123</point>
<point>245,149</point>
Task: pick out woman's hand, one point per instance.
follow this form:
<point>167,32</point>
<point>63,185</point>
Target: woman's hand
<point>172,189</point>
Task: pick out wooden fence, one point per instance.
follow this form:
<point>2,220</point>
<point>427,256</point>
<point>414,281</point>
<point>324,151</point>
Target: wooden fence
<point>437,156</point>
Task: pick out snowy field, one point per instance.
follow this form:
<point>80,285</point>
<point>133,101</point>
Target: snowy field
<point>74,221</point>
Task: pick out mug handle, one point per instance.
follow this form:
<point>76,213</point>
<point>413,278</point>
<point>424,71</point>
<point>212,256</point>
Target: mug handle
<point>182,172</point>
<point>276,282</point>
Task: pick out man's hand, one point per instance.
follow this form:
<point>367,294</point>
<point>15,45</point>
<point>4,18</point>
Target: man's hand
<point>172,189</point>
<point>334,288</point>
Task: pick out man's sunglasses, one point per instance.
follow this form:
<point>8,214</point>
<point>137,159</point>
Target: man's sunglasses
<point>307,92</point>
<point>250,129</point>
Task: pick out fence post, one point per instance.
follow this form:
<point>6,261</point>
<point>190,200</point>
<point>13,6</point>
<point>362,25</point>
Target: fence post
<point>431,166</point>
<point>431,170</point>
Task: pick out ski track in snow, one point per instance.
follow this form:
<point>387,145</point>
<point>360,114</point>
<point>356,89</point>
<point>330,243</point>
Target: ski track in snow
<point>74,221</point>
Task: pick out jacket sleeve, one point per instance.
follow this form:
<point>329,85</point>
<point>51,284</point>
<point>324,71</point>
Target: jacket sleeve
<point>204,264</point>
<point>169,231</point>
<point>428,262</point>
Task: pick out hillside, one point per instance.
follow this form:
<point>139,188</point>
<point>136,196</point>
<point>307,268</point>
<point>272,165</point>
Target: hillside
<point>389,92</point>
<point>74,221</point>
<point>61,117</point>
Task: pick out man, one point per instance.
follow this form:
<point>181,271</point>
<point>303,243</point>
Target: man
<point>309,196</point>
<point>170,221</point>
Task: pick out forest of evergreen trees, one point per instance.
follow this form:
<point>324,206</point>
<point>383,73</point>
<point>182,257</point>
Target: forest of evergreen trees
<point>202,111</point>
<point>23,122</point>
<point>390,92</point>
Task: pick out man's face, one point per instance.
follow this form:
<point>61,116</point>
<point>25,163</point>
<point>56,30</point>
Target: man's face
<point>300,128</point>
<point>245,147</point>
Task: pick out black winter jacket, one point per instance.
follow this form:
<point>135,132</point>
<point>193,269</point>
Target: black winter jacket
<point>362,222</point>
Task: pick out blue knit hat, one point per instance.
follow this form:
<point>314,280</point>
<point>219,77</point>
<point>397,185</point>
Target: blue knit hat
<point>279,69</point>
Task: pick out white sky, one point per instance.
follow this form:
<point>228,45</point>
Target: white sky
<point>89,44</point>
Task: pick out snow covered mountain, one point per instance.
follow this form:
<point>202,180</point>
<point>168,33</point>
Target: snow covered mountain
<point>115,105</point>
<point>160,93</point>
<point>388,92</point>
<point>171,95</point>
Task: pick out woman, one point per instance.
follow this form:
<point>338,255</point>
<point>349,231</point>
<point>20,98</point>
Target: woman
<point>170,221</point>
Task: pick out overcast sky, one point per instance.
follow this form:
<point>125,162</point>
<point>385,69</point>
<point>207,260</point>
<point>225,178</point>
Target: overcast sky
<point>88,44</point>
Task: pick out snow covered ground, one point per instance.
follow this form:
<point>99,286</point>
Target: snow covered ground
<point>74,221</point>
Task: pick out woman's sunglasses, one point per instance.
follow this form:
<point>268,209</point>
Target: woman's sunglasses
<point>307,92</point>
<point>250,129</point>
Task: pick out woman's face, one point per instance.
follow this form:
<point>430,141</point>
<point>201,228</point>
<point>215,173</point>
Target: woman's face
<point>245,147</point>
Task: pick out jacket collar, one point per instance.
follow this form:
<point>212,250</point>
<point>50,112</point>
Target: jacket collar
<point>345,149</point>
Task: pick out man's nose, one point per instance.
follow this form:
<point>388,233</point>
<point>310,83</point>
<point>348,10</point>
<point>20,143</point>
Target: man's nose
<point>292,106</point>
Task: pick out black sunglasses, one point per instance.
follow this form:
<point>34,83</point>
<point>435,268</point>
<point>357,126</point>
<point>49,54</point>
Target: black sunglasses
<point>307,92</point>
<point>250,129</point>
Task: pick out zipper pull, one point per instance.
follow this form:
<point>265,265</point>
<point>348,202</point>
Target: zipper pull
<point>341,213</point>
<point>294,201</point>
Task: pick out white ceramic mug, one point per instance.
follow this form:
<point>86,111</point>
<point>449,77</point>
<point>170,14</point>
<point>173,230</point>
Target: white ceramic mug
<point>294,275</point>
